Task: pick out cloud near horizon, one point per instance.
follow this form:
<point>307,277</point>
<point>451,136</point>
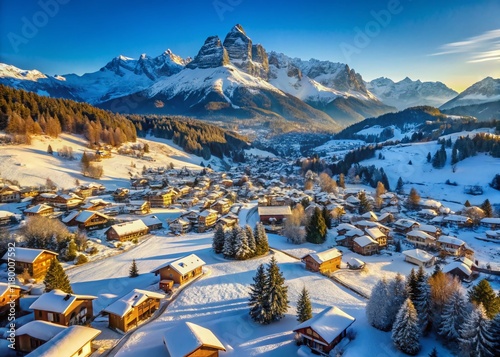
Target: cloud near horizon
<point>482,48</point>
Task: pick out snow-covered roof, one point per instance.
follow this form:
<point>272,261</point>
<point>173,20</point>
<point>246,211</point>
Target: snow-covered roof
<point>39,329</point>
<point>151,221</point>
<point>491,220</point>
<point>329,323</point>
<point>460,265</point>
<point>345,226</point>
<point>134,298</point>
<point>403,222</point>
<point>38,208</point>
<point>274,211</point>
<point>354,232</point>
<point>5,214</point>
<point>325,255</point>
<point>363,241</point>
<point>355,262</point>
<point>428,228</point>
<point>420,234</point>
<point>450,240</point>
<point>57,301</point>
<point>374,233</point>
<point>207,212</point>
<point>370,215</point>
<point>129,227</point>
<point>184,265</point>
<point>192,337</point>
<point>27,255</point>
<point>430,203</point>
<point>4,287</point>
<point>84,216</point>
<point>67,342</point>
<point>456,218</point>
<point>70,216</point>
<point>418,254</point>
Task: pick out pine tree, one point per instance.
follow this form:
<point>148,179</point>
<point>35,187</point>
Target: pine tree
<point>453,317</point>
<point>399,187</point>
<point>454,156</point>
<point>304,308</point>
<point>475,336</point>
<point>261,242</point>
<point>406,329</point>
<point>56,278</point>
<point>467,203</point>
<point>422,302</point>
<point>133,271</point>
<point>483,294</point>
<point>229,243</point>
<point>257,293</point>
<point>49,150</point>
<point>218,241</point>
<point>411,284</point>
<point>495,332</point>
<point>364,204</point>
<point>413,198</point>
<point>327,217</point>
<point>251,240</point>
<point>241,248</point>
<point>378,306</point>
<point>486,207</point>
<point>316,228</point>
<point>433,353</point>
<point>397,296</point>
<point>429,157</point>
<point>276,294</point>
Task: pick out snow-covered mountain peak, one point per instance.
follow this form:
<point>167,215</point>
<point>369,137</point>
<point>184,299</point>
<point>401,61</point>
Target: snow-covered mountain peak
<point>485,91</point>
<point>8,71</point>
<point>211,55</point>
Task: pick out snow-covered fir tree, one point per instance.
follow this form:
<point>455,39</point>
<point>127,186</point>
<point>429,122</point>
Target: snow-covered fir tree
<point>495,332</point>
<point>453,317</point>
<point>257,293</point>
<point>475,336</point>
<point>483,293</point>
<point>251,240</point>
<point>261,242</point>
<point>378,306</point>
<point>276,293</point>
<point>229,244</point>
<point>56,278</point>
<point>411,284</point>
<point>241,249</point>
<point>133,271</point>
<point>218,241</point>
<point>304,308</point>
<point>406,329</point>
<point>422,300</point>
<point>398,294</point>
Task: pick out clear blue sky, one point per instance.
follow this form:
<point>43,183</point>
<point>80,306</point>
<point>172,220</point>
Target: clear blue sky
<point>453,41</point>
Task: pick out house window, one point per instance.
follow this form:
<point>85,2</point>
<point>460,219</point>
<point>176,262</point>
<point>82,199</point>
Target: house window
<point>50,316</point>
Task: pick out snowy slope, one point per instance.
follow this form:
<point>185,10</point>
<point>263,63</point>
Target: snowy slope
<point>484,91</point>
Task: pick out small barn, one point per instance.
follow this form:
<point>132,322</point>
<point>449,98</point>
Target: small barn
<point>325,262</point>
<point>325,330</point>
<point>197,341</point>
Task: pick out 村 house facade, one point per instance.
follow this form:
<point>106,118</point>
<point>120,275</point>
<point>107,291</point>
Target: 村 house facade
<point>127,230</point>
<point>324,262</point>
<point>182,270</point>
<point>35,261</point>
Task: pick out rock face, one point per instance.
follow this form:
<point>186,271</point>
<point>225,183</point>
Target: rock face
<point>211,55</point>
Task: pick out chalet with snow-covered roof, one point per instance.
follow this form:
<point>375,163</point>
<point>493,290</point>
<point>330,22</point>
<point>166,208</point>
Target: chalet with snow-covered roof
<point>10,194</point>
<point>325,262</point>
<point>355,263</point>
<point>180,226</point>
<point>460,269</point>
<point>386,217</point>
<point>152,222</point>
<point>8,293</point>
<point>40,209</point>
<point>182,270</point>
<point>343,228</point>
<point>222,206</point>
<point>347,240</point>
<point>420,239</point>
<point>138,206</point>
<point>491,222</point>
<point>91,220</point>
<point>451,245</point>
<point>6,218</point>
<point>490,234</point>
<point>365,245</point>
<point>325,330</point>
<point>274,214</point>
<point>457,220</point>
<point>206,220</point>
<point>376,234</point>
<point>73,341</point>
<point>197,341</point>
<point>228,221</point>
<point>138,305</point>
<point>127,230</point>
<point>430,229</point>
<point>419,257</point>
<point>121,194</point>
<point>364,224</point>
<point>35,261</point>
<point>64,309</point>
<point>34,334</point>
<point>95,205</point>
<point>62,201</point>
<point>405,225</point>
<point>83,191</point>
<point>161,199</point>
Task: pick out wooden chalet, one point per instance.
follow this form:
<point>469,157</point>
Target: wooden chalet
<point>419,257</point>
<point>343,228</point>
<point>161,199</point>
<point>460,269</point>
<point>430,229</point>
<point>365,245</point>
<point>138,305</point>
<point>84,191</point>
<point>179,226</point>
<point>325,330</point>
<point>35,261</point>
<point>139,206</point>
<point>121,195</point>
<point>34,334</point>
<point>491,222</point>
<point>420,239</point>
<point>457,220</point>
<point>153,223</point>
<point>8,293</point>
<point>325,262</point>
<point>73,341</point>
<point>182,270</point>
<point>6,218</point>
<point>222,206</point>
<point>41,209</point>
<point>451,246</point>
<point>127,230</point>
<point>90,220</point>
<point>274,214</point>
<point>10,194</point>
<point>61,201</point>
<point>64,309</point>
<point>377,235</point>
<point>405,225</point>
<point>206,220</point>
<point>197,341</point>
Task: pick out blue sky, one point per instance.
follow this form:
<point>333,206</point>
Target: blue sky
<point>456,42</point>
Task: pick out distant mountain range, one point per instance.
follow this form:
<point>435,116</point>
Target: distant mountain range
<point>238,81</point>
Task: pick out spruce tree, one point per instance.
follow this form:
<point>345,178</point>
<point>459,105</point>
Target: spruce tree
<point>229,243</point>
<point>261,242</point>
<point>411,284</point>
<point>56,278</point>
<point>422,301</point>
<point>316,228</point>
<point>49,150</point>
<point>433,353</point>
<point>406,329</point>
<point>378,306</point>
<point>399,187</point>
<point>218,241</point>
<point>467,203</point>
<point>397,296</point>
<point>241,250</point>
<point>495,332</point>
<point>257,293</point>
<point>327,217</point>
<point>133,271</point>
<point>304,308</point>
<point>453,317</point>
<point>429,157</point>
<point>486,207</point>
<point>364,204</point>
<point>483,293</point>
<point>252,245</point>
<point>475,336</point>
<point>276,294</point>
